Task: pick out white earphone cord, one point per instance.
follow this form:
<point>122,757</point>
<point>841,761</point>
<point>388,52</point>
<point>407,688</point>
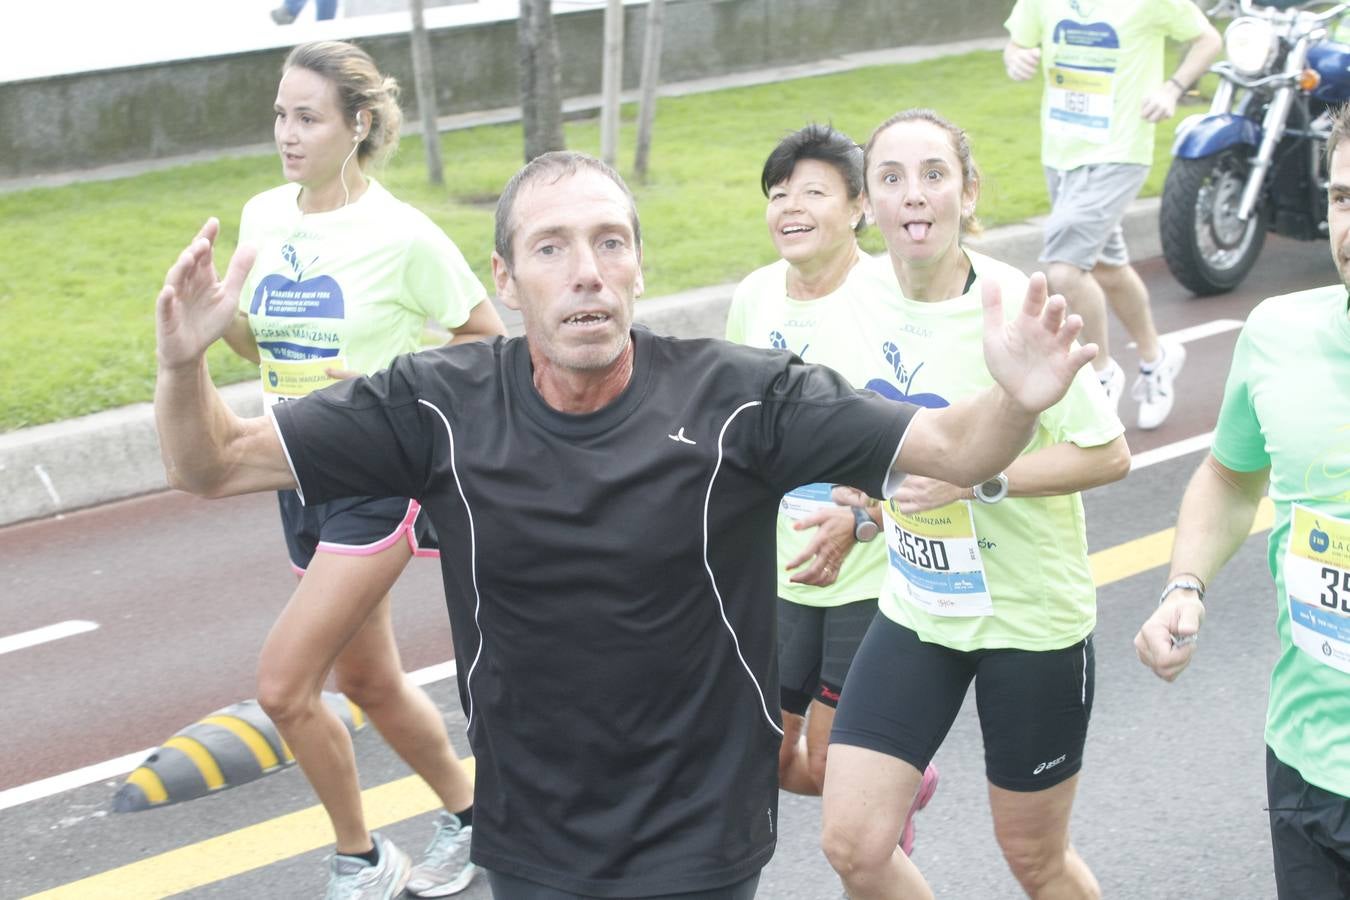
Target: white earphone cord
<point>346,193</point>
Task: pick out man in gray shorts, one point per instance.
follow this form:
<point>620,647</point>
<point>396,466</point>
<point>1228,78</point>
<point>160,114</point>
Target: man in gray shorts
<point>1103,93</point>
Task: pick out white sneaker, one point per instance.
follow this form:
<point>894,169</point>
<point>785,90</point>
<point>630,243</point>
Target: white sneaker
<point>445,868</point>
<point>1154,390</point>
<point>1113,383</point>
<point>352,878</point>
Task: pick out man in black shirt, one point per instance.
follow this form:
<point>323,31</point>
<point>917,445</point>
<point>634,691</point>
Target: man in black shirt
<point>605,500</point>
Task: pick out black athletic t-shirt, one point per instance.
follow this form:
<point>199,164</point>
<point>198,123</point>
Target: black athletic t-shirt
<point>609,579</point>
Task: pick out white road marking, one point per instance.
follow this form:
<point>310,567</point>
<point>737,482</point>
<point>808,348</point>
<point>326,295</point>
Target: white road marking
<point>1197,332</point>
<point>1171,451</point>
<point>46,787</point>
<point>45,634</point>
<point>114,768</point>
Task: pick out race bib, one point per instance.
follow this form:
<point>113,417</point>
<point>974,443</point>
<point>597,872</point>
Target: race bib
<point>801,502</point>
<point>1080,104</point>
<point>936,555</point>
<point>1317,583</point>
<point>287,379</point>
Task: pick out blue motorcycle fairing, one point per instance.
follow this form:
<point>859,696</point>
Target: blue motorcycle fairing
<point>1331,60</point>
<point>1210,134</point>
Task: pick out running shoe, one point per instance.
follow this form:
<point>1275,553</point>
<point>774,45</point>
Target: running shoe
<point>1154,390</point>
<point>282,16</point>
<point>927,788</point>
<point>445,868</point>
<point>352,878</point>
<point>1113,383</point>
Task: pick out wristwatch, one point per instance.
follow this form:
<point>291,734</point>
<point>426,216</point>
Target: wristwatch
<point>993,490</point>
<point>864,526</point>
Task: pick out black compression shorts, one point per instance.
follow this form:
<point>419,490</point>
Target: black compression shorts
<point>816,646</point>
<point>903,694</point>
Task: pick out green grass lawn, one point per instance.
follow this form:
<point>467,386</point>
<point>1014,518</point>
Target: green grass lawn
<point>81,264</point>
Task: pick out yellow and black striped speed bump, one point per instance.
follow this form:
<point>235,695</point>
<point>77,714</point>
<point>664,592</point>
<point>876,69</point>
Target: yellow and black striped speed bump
<point>230,747</point>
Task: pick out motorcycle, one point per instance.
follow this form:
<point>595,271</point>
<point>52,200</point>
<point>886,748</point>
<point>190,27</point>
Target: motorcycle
<point>1256,162</point>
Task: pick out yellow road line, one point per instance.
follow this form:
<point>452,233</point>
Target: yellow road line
<point>1152,550</point>
<point>246,849</point>
<point>256,846</point>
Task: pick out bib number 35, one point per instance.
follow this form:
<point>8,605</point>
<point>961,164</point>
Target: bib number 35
<point>1336,590</point>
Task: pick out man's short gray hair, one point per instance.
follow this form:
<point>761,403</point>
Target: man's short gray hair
<point>554,165</point>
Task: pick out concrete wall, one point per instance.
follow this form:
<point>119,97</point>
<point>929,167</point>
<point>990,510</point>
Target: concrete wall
<point>169,109</point>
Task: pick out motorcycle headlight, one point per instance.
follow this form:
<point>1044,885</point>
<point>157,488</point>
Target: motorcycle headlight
<point>1250,44</point>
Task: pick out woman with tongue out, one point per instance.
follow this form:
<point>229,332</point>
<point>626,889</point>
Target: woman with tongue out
<point>987,583</point>
<point>346,278</point>
<point>821,301</point>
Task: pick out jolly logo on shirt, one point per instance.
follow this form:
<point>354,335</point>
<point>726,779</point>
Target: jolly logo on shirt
<point>298,296</point>
<point>905,378</point>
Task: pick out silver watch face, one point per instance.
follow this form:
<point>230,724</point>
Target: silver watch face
<point>993,490</point>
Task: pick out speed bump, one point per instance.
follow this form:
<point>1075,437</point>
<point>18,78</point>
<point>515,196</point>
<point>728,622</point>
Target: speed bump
<point>232,746</point>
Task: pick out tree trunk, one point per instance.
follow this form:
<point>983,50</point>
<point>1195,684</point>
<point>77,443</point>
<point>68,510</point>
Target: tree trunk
<point>540,94</point>
<point>651,78</point>
<point>424,79</point>
<point>611,82</point>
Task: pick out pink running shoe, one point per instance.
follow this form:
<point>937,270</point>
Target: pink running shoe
<point>927,788</point>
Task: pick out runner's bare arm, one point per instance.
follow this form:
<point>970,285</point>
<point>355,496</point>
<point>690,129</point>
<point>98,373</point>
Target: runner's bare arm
<point>206,448</point>
<point>1200,53</point>
<point>1049,472</point>
<point>1215,518</point>
<point>239,337</point>
<point>484,322</point>
<point>1033,359</point>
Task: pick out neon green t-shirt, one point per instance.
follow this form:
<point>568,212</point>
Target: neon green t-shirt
<point>1101,58</point>
<point>847,331</point>
<point>351,289</point>
<point>974,576</point>
<point>1286,406</point>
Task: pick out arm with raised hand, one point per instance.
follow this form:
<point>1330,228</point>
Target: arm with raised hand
<point>207,449</point>
<point>1033,358</point>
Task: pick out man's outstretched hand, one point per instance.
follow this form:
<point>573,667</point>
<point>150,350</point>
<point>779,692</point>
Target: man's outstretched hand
<point>1032,355</point>
<point>195,307</point>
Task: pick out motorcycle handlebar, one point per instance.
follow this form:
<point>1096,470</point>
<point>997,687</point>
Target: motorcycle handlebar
<point>1247,7</point>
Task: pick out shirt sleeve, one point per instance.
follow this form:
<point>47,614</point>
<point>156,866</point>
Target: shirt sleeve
<point>818,428</point>
<point>1182,19</point>
<point>1085,416</point>
<point>361,437</point>
<point>1024,23</point>
<point>736,313</point>
<point>1238,441</point>
<point>437,280</point>
<point>247,235</point>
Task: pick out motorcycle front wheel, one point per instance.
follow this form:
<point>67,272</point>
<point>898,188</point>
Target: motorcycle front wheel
<point>1207,247</point>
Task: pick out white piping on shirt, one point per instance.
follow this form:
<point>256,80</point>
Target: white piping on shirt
<point>707,500</point>
<point>891,483</point>
<point>473,562</point>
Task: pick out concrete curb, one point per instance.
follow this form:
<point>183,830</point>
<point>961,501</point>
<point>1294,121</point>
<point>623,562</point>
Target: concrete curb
<point>58,468</point>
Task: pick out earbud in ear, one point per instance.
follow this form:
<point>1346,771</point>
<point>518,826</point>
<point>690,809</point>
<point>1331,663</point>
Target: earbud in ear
<point>356,138</point>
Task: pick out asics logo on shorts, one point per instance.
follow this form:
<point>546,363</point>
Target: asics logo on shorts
<point>679,436</point>
<point>1047,766</point>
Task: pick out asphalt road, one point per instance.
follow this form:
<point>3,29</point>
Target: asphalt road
<point>183,592</point>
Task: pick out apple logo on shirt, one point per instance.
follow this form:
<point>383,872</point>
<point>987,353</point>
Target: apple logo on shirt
<point>905,379</point>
